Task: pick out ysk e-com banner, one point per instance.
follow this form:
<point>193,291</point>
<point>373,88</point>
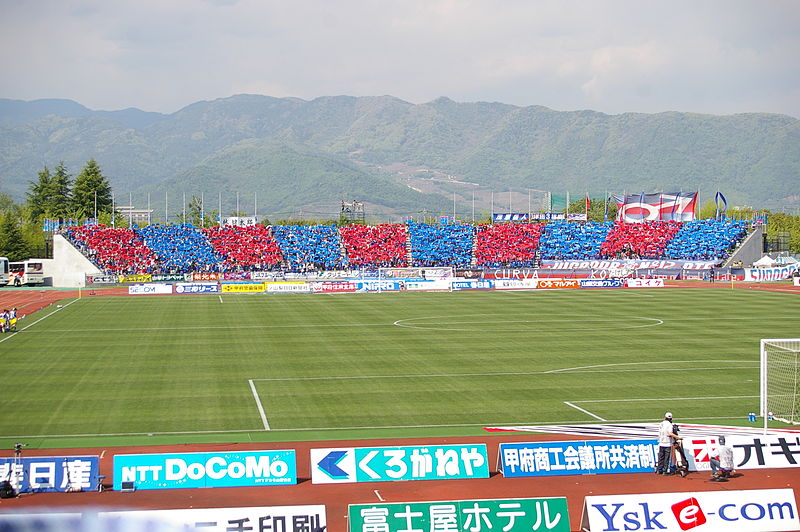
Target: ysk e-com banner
<point>735,510</point>
<point>385,464</point>
<point>577,458</point>
<point>507,515</point>
<point>51,473</point>
<point>205,470</point>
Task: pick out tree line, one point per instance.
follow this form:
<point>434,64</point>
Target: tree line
<point>57,195</point>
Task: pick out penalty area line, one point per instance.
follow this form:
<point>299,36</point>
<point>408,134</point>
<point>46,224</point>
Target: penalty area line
<point>259,405</point>
<point>583,410</point>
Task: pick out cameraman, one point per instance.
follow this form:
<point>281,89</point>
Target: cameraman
<point>666,437</point>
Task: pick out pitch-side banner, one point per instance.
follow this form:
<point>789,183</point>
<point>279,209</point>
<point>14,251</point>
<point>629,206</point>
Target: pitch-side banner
<point>763,510</point>
<point>383,464</point>
<point>307,518</point>
<point>770,274</point>
<point>51,473</point>
<point>677,206</point>
<point>205,470</point>
<point>507,515</point>
<point>577,458</point>
<point>749,452</point>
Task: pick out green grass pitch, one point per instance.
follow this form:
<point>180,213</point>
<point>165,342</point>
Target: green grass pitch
<point>261,367</point>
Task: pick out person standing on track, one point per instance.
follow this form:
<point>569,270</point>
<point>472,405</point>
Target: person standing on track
<point>665,440</point>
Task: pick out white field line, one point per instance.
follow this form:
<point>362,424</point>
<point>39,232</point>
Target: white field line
<point>259,405</point>
<point>334,429</point>
<point>220,299</point>
<point>584,411</point>
<point>667,399</point>
<point>58,308</point>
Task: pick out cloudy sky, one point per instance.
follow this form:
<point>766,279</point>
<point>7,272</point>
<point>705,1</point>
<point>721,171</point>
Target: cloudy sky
<point>613,56</point>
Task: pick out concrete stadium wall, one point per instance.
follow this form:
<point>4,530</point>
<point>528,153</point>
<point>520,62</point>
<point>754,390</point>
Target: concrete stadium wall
<point>69,267</point>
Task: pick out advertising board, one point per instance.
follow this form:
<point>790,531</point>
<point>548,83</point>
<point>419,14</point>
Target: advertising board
<point>241,288</point>
<point>644,283</point>
<point>205,470</point>
<point>384,464</point>
<point>509,515</point>
<point>764,510</point>
<point>577,458</point>
<point>307,518</point>
<point>197,288</point>
<point>149,289</point>
<point>50,473</point>
<point>749,452</point>
<point>549,284</point>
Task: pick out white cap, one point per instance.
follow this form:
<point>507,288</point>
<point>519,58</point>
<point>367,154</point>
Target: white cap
<point>668,415</point>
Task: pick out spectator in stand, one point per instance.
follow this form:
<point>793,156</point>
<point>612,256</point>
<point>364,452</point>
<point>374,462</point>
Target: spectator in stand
<point>380,246</point>
<point>441,245</point>
<point>181,248</point>
<point>114,250</point>
<point>562,240</point>
<point>249,248</point>
<point>645,240</point>
<point>309,247</point>
<point>507,245</point>
<point>706,239</point>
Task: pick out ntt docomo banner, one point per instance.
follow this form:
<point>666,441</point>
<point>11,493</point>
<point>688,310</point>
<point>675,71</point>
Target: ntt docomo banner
<point>205,470</point>
<point>767,510</point>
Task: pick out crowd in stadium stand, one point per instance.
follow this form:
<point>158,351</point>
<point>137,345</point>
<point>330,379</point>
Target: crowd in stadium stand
<point>113,250</point>
<point>563,240</point>
<point>441,245</point>
<point>637,240</point>
<point>309,247</point>
<point>373,246</point>
<point>302,248</point>
<point>249,248</point>
<point>507,245</point>
<point>706,239</point>
<point>181,248</point>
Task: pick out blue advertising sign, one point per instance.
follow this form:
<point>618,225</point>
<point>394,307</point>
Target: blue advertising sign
<point>205,470</point>
<point>383,464</point>
<point>602,283</point>
<point>577,458</point>
<point>51,473</point>
<point>472,284</point>
<point>382,285</point>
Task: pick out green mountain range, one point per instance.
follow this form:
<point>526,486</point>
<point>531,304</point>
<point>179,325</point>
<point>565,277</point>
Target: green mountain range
<point>290,158</point>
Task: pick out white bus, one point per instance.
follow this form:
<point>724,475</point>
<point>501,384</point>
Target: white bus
<point>3,270</point>
<point>25,272</point>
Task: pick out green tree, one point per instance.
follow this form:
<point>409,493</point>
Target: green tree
<point>60,192</point>
<point>39,194</point>
<point>12,243</point>
<point>91,193</point>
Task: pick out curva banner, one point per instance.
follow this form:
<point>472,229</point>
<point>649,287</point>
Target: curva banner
<point>764,510</point>
<point>205,470</point>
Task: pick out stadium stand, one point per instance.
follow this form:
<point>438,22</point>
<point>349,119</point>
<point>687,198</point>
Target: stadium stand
<point>507,245</point>
<point>638,240</point>
<point>113,250</point>
<point>563,240</point>
<point>181,248</point>
<point>706,239</point>
<point>375,246</point>
<point>441,245</point>
<point>250,248</point>
<point>309,247</point>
